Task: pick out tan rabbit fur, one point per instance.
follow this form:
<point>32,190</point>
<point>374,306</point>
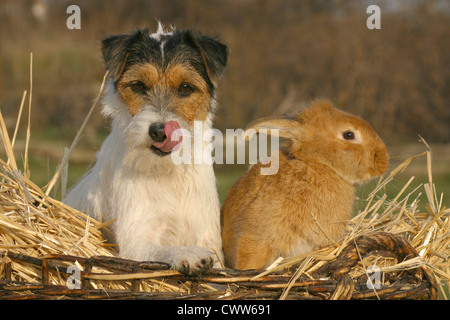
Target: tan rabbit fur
<point>307,203</point>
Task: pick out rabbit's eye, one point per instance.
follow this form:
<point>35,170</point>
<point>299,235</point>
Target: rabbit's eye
<point>348,135</point>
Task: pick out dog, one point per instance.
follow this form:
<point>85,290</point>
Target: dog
<point>159,85</point>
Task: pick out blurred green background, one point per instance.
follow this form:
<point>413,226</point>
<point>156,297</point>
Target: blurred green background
<point>282,55</point>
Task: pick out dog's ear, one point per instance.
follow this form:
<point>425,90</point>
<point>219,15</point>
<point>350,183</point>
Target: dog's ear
<point>114,50</point>
<point>213,52</point>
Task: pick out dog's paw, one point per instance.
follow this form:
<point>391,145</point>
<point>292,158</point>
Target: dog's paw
<point>193,261</point>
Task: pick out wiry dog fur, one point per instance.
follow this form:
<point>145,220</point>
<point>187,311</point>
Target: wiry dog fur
<point>163,211</point>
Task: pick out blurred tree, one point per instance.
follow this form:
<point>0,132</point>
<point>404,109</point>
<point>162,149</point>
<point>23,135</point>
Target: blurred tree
<point>282,54</point>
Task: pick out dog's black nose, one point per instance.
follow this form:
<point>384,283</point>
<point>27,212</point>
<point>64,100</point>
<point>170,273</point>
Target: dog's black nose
<point>156,132</point>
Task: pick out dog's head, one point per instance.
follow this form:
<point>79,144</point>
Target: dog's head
<point>162,81</point>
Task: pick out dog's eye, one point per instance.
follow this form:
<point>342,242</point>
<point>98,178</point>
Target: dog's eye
<point>348,135</point>
<point>185,89</point>
<point>138,86</point>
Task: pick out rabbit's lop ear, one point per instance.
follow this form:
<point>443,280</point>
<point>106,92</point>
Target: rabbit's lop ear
<point>284,127</point>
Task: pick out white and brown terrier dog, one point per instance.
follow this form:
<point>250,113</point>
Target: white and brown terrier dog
<point>164,211</point>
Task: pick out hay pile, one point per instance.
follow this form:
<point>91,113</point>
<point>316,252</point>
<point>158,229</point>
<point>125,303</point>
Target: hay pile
<point>40,238</point>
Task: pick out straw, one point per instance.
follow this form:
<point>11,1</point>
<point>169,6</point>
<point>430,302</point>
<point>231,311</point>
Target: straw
<point>67,154</point>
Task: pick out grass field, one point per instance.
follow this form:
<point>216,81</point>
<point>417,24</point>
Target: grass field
<point>47,150</point>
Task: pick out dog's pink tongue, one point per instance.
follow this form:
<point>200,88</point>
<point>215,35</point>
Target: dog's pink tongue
<point>173,137</point>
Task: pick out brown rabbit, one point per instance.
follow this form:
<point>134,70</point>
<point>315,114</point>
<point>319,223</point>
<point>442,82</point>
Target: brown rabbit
<point>307,203</point>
